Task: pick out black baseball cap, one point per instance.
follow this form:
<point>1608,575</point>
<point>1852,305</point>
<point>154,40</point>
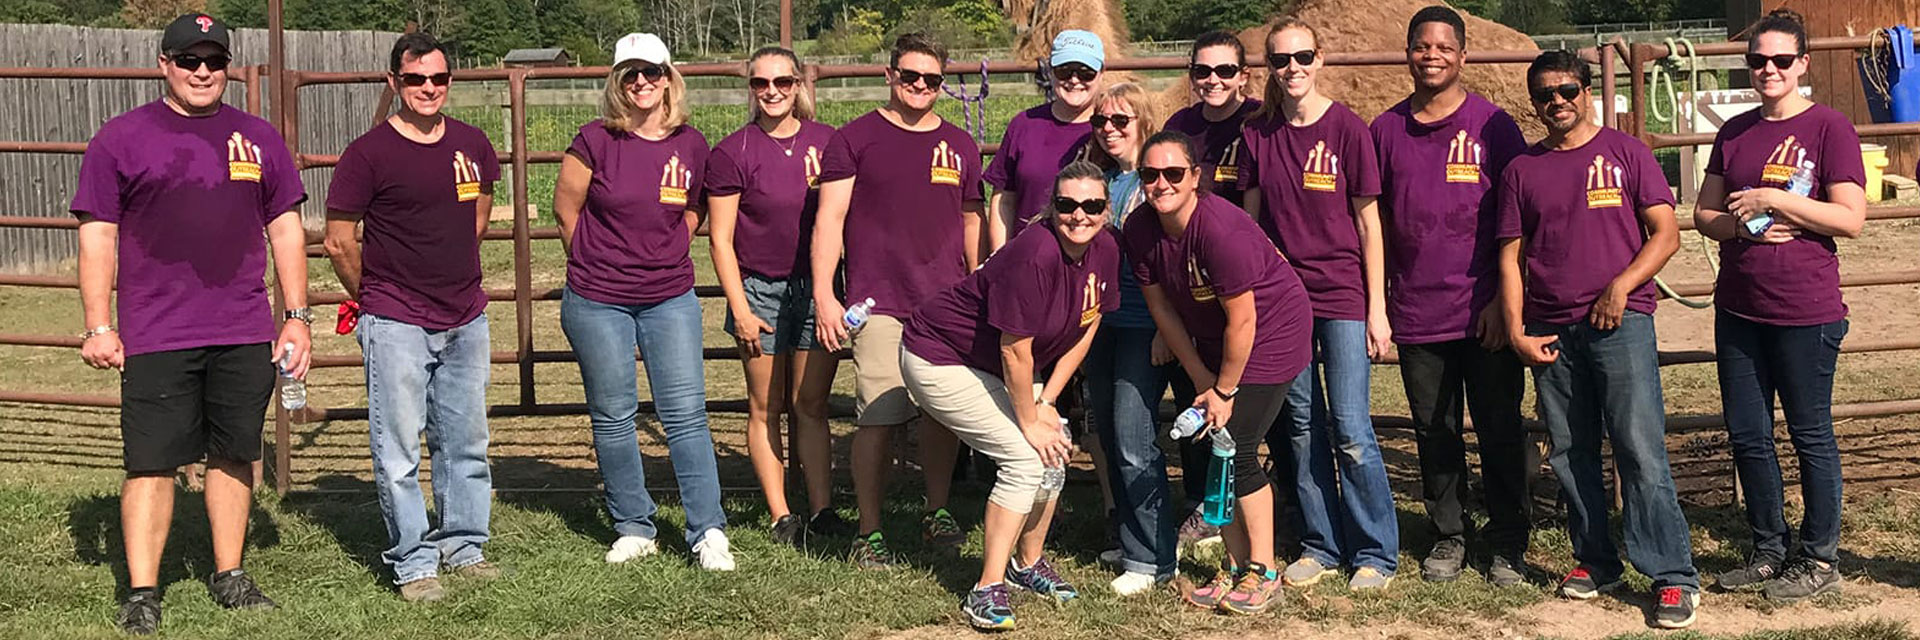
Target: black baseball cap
<point>191,29</point>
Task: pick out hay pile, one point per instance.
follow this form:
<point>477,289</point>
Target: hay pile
<point>1049,17</point>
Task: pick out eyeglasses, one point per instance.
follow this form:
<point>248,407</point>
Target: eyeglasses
<point>783,83</point>
<point>1757,61</point>
<point>190,62</point>
<point>1199,71</point>
<point>1150,175</point>
<point>1075,71</point>
<point>1119,120</point>
<point>909,77</point>
<point>1278,61</point>
<point>418,79</point>
<point>1568,92</point>
<point>1064,205</point>
<point>653,73</point>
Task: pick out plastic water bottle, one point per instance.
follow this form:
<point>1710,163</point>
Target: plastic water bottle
<point>1190,422</point>
<point>1053,478</point>
<point>1217,508</point>
<point>1801,183</point>
<point>857,316</point>
<point>293,391</point>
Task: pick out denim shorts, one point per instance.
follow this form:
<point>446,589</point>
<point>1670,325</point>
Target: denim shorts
<point>786,305</point>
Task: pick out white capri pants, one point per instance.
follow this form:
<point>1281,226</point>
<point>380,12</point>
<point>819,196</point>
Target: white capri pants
<point>974,404</point>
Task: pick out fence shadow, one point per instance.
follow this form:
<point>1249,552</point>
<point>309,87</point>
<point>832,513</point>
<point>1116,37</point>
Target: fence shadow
<point>93,523</point>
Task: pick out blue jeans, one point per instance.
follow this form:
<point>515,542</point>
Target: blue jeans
<point>1607,384</point>
<point>1756,362</point>
<point>433,381</point>
<point>668,334</point>
<point>1122,389</point>
<point>1346,518</point>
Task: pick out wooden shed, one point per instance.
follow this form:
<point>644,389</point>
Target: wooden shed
<point>551,57</point>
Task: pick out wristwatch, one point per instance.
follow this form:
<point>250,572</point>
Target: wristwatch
<point>96,331</point>
<point>303,314</point>
<point>1226,394</point>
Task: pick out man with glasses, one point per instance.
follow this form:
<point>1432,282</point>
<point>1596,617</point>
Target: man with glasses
<point>1586,220</point>
<point>422,184</point>
<point>900,193</point>
<point>173,198</point>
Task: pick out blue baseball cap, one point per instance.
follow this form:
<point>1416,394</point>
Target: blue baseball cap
<point>1075,45</point>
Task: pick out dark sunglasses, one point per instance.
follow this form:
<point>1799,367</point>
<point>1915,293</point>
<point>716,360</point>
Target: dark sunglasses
<point>1199,71</point>
<point>1278,61</point>
<point>192,62</point>
<point>418,79</point>
<point>1079,72</point>
<point>1064,205</point>
<point>1119,120</point>
<point>1568,92</point>
<point>783,83</point>
<point>1757,61</point>
<point>909,77</point>
<point>653,73</point>
<point>1150,175</point>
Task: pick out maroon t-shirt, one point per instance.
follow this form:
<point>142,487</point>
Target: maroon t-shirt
<point>1796,283</point>
<point>1218,144</point>
<point>1578,212</point>
<point>1440,206</point>
<point>778,183</point>
<point>1307,177</point>
<point>904,230</point>
<point>631,244</point>
<point>1029,288</point>
<point>421,265</point>
<point>1223,253</point>
<point>1036,146</point>
<point>192,197</point>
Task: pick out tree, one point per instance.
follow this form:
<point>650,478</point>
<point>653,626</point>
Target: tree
<point>154,14</point>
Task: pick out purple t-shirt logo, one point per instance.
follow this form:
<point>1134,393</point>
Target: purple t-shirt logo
<point>946,165</point>
<point>1090,299</point>
<point>1228,171</point>
<point>1464,157</point>
<point>811,165</point>
<point>1786,158</point>
<point>674,181</point>
<point>1322,170</point>
<point>466,177</point>
<point>1606,184</point>
<point>1202,283</point>
<point>243,159</point>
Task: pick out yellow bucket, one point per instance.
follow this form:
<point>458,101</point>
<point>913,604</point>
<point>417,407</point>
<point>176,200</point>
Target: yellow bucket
<point>1876,158</point>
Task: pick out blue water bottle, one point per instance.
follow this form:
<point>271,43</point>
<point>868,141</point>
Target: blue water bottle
<point>1217,508</point>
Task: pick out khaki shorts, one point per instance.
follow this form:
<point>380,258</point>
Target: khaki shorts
<point>975,405</point>
<point>879,397</point>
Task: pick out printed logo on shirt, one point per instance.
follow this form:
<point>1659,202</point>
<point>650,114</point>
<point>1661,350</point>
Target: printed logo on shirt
<point>811,165</point>
<point>1464,157</point>
<point>1090,299</point>
<point>946,165</point>
<point>675,179</point>
<point>243,158</point>
<point>1201,289</point>
<point>1228,170</point>
<point>1787,157</point>
<point>466,177</point>
<point>1606,184</point>
<point>1322,172</point>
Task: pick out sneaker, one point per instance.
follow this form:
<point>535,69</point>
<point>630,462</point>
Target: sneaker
<point>1134,583</point>
<point>1306,571</point>
<point>140,614</point>
<point>426,589</point>
<point>1803,578</point>
<point>1506,572</point>
<point>1112,557</point>
<point>1444,561</point>
<point>713,551</point>
<point>235,590</point>
<point>1581,585</point>
<point>788,530</point>
<point>940,529</point>
<point>871,552</point>
<point>1195,531</point>
<point>1041,579</point>
<point>1676,607</point>
<point>1369,579</point>
<point>828,523</point>
<point>989,608</point>
<point>481,570</point>
<point>630,547</point>
<point>1210,596</point>
<point>1255,592</point>
<point>1751,576</point>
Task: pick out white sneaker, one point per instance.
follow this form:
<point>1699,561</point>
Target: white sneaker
<point>713,551</point>
<point>630,547</point>
<point>1132,583</point>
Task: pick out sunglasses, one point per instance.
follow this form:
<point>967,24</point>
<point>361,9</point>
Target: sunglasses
<point>1278,61</point>
<point>1568,92</point>
<point>1079,72</point>
<point>1064,205</point>
<point>192,62</point>
<point>909,77</point>
<point>783,83</point>
<point>1757,61</point>
<point>419,79</point>
<point>1199,71</point>
<point>653,73</point>
<point>1119,120</point>
<point>1150,175</point>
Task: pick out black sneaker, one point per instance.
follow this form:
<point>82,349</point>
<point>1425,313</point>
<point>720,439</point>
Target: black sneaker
<point>140,614</point>
<point>1506,572</point>
<point>828,523</point>
<point>939,529</point>
<point>1443,563</point>
<point>1581,585</point>
<point>235,590</point>
<point>1803,578</point>
<point>1676,607</point>
<point>789,531</point>
<point>871,552</point>
<point>1753,575</point>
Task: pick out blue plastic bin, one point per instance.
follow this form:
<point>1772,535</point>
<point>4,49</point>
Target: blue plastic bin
<point>1902,67</point>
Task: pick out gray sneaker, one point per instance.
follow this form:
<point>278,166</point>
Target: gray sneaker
<point>1194,531</point>
<point>1369,578</point>
<point>426,589</point>
<point>1443,563</point>
<point>1751,576</point>
<point>1506,572</point>
<point>482,570</point>
<point>1306,571</point>
<point>1803,578</point>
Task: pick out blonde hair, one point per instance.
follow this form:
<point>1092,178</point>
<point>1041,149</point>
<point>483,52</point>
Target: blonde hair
<point>1273,93</point>
<point>802,96</point>
<point>1146,114</point>
<point>618,112</point>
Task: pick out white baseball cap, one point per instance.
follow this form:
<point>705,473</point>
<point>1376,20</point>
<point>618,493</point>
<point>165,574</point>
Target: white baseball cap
<point>641,46</point>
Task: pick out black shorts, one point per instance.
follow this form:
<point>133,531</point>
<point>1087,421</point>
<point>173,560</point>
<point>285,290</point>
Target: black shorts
<point>177,407</point>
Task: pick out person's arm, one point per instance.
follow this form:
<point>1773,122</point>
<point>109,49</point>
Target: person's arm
<point>569,195</point>
<point>829,222</point>
<point>288,238</point>
<point>1041,427</point>
<point>1710,216</point>
<point>1373,255</point>
<point>1663,239</point>
<point>1250,200</point>
<point>1001,219</point>
<point>976,230</point>
<point>1173,332</point>
<point>723,211</point>
<point>483,210</point>
<point>1841,218</point>
<point>1069,364</point>
<point>99,259</point>
<point>692,217</point>
<point>1532,350</point>
<point>343,249</point>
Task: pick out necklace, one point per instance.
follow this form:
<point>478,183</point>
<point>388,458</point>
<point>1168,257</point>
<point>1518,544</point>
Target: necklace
<point>792,141</point>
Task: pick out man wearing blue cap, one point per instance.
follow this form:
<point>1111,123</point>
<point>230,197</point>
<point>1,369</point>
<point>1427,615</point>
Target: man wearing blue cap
<point>1042,140</point>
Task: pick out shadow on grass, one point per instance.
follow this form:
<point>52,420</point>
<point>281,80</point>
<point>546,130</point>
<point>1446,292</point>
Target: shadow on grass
<point>93,522</point>
<point>350,512</point>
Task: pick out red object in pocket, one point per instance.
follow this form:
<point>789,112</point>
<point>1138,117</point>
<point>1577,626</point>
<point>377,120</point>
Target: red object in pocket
<point>349,318</point>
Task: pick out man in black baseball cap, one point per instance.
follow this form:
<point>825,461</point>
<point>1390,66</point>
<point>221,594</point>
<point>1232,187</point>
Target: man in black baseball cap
<point>191,29</point>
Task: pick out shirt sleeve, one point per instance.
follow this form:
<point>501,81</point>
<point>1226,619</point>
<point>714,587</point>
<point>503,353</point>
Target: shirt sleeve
<point>352,186</point>
<point>1840,159</point>
<point>488,158</point>
<point>1139,248</point>
<point>1363,177</point>
<point>1504,141</point>
<point>1006,162</point>
<point>1649,180</point>
<point>1508,214</point>
<point>1247,162</point>
<point>281,188</point>
<point>1235,259</point>
<point>1014,289</point>
<point>585,145</point>
<point>1109,270</point>
<point>1716,159</point>
<point>970,182</point>
<point>839,161</point>
<point>698,151</point>
<point>98,192</point>
<point>724,175</point>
